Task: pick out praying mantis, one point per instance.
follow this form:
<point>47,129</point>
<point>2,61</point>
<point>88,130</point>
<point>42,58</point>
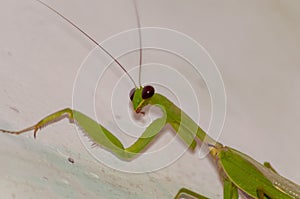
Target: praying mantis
<point>261,182</point>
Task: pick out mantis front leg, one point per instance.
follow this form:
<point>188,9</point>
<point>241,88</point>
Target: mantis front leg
<point>100,135</point>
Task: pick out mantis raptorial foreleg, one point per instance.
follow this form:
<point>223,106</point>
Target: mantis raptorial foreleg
<point>98,134</point>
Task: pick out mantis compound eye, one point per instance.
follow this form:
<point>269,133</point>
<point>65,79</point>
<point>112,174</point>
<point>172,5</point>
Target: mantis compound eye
<point>131,94</point>
<point>147,92</point>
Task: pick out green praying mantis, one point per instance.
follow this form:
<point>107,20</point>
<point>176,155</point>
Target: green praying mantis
<point>240,173</point>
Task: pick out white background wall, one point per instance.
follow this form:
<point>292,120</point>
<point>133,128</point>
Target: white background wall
<point>255,45</point>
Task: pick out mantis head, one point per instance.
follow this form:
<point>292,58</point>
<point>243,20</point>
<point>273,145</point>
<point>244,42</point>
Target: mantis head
<point>140,97</point>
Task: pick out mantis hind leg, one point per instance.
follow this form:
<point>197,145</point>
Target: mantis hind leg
<point>230,191</point>
<point>188,194</point>
<point>269,166</point>
<point>262,194</point>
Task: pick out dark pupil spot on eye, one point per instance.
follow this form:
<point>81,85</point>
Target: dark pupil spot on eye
<point>131,94</point>
<point>148,91</point>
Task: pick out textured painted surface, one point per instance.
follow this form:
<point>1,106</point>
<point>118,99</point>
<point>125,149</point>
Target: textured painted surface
<point>33,170</point>
<point>254,43</point>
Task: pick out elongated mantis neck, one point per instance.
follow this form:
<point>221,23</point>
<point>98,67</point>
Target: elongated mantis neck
<point>176,115</point>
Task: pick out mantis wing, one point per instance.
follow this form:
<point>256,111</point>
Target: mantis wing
<point>252,177</point>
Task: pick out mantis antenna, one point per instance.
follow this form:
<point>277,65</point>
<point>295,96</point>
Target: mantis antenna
<point>93,40</point>
<point>140,40</point>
